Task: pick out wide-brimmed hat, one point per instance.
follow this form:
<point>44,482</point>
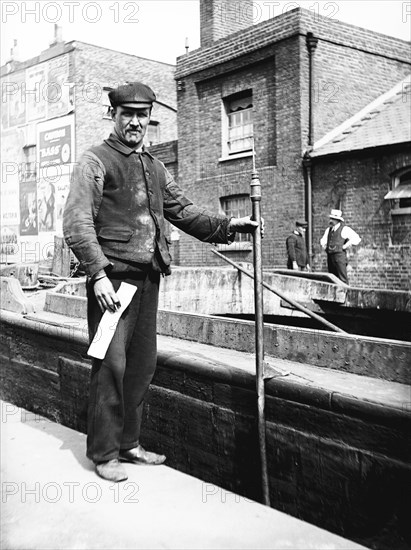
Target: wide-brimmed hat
<point>336,215</point>
<point>133,94</point>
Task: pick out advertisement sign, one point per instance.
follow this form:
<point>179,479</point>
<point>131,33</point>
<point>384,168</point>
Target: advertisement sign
<point>5,87</point>
<point>11,144</point>
<point>34,92</point>
<point>55,156</point>
<point>55,142</point>
<point>11,157</point>
<point>28,208</point>
<point>58,89</point>
<point>16,106</point>
<point>62,190</point>
<point>9,248</point>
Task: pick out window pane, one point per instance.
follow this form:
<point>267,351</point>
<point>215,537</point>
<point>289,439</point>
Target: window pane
<point>240,127</point>
<point>238,207</point>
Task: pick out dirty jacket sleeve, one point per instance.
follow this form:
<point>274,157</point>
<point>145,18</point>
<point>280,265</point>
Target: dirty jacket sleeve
<point>83,201</point>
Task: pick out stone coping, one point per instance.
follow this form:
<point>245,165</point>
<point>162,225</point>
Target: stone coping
<point>385,403</point>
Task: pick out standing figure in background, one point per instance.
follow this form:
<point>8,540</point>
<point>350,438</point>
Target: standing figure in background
<point>337,238</point>
<point>297,249</point>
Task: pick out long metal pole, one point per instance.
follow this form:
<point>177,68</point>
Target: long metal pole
<point>255,196</point>
<point>283,296</point>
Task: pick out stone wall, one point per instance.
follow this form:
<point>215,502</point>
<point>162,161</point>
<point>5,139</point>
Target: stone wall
<point>326,451</point>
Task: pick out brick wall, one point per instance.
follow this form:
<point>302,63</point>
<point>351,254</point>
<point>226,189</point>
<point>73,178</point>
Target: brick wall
<point>167,153</point>
<point>275,88</point>
<point>220,18</point>
<point>359,183</point>
<point>352,67</point>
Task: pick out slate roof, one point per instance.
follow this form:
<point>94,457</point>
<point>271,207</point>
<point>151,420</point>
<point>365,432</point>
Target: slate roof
<point>385,121</point>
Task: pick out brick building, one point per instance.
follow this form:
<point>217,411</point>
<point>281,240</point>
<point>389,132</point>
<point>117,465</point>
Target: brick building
<point>364,167</point>
<point>284,83</point>
<point>54,106</point>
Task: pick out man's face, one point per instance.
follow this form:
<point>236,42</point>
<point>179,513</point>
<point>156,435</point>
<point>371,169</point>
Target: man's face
<point>301,229</point>
<point>333,222</point>
<point>130,124</point>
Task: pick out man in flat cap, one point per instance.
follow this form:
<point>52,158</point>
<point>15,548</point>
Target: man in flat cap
<point>114,222</point>
<point>297,257</point>
<point>336,240</point>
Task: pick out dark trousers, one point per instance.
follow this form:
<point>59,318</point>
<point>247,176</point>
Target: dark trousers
<point>337,265</point>
<point>120,381</point>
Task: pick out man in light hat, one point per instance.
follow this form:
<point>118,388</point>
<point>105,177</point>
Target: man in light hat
<point>337,238</point>
<point>114,221</point>
<point>297,256</point>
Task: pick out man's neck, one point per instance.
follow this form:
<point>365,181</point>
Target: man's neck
<point>137,148</point>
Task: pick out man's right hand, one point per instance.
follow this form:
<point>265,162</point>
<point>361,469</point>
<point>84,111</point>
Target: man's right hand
<point>105,294</point>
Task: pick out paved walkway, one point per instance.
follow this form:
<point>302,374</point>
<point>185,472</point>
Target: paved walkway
<point>52,499</point>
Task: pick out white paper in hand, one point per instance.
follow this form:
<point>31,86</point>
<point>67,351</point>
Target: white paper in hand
<point>108,324</point>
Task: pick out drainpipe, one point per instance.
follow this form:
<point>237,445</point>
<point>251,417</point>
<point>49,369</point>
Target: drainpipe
<point>307,163</point>
<point>311,43</point>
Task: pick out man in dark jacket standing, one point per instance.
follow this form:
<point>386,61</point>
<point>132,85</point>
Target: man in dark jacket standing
<point>114,223</point>
<point>297,249</point>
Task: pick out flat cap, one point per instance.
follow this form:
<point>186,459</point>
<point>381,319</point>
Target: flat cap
<point>301,223</point>
<point>133,94</point>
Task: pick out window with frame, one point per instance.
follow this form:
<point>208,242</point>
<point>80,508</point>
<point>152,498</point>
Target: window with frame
<point>152,134</point>
<point>30,166</point>
<point>237,206</point>
<point>105,103</point>
<point>238,124</point>
<point>400,194</point>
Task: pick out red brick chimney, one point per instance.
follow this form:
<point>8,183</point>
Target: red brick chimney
<point>219,18</point>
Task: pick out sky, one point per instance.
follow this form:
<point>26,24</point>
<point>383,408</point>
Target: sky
<point>158,29</point>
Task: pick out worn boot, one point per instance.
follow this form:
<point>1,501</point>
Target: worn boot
<point>111,470</point>
<point>138,455</point>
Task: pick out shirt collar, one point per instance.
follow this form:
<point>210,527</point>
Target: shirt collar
<point>114,142</point>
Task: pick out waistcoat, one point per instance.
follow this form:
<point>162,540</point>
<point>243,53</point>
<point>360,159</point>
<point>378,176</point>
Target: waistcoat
<point>335,241</point>
<point>129,224</point>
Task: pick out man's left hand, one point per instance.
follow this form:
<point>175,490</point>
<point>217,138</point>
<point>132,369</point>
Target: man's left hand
<point>245,225</point>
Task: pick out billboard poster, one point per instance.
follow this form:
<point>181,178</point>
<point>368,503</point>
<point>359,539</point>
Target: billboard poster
<point>11,146</point>
<point>62,190</point>
<point>55,156</point>
<point>46,202</point>
<point>35,91</point>
<point>5,86</point>
<point>16,106</point>
<point>9,247</point>
<point>58,89</point>
<point>28,208</point>
<point>55,142</point>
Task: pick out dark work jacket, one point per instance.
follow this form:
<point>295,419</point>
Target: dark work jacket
<point>111,214</point>
<point>296,250</point>
<point>335,241</point>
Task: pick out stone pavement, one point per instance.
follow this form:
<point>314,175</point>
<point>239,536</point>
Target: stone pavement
<point>52,499</point>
